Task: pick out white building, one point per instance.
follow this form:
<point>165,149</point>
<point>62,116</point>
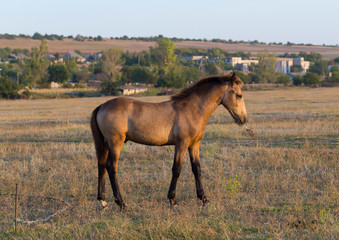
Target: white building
<point>196,59</point>
<point>305,65</point>
<point>283,65</point>
<point>240,63</point>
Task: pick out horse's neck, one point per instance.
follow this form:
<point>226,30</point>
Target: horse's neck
<point>207,103</point>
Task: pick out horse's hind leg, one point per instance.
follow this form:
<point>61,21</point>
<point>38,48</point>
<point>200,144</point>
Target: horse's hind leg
<point>112,168</point>
<point>195,163</point>
<point>102,161</point>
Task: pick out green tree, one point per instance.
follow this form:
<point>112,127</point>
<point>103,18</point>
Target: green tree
<point>163,55</point>
<point>244,78</point>
<point>265,69</point>
<point>336,60</point>
<point>111,61</point>
<point>71,66</point>
<point>109,87</point>
<point>311,79</point>
<point>211,68</point>
<point>81,76</point>
<point>139,74</point>
<point>8,88</point>
<point>284,79</point>
<point>190,74</point>
<point>334,69</point>
<point>58,73</point>
<point>335,77</point>
<point>36,66</point>
<point>297,80</point>
<point>319,67</point>
<point>37,36</point>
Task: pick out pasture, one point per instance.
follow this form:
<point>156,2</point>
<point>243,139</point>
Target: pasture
<point>282,185</point>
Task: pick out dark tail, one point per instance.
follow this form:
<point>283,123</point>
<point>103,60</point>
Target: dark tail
<point>101,146</point>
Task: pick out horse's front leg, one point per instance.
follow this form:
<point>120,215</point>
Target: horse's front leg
<point>195,163</point>
<point>179,156</point>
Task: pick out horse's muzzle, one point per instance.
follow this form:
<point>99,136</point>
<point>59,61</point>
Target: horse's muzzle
<point>240,121</point>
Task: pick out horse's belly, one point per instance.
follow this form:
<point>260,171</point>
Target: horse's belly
<point>151,136</point>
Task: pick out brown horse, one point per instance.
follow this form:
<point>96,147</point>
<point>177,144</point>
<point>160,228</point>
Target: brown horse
<point>180,121</point>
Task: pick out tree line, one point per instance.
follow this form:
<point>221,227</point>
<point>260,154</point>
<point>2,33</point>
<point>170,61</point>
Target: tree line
<point>79,37</point>
<point>159,66</point>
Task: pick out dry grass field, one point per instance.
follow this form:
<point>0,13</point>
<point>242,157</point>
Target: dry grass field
<point>91,47</point>
<point>282,185</point>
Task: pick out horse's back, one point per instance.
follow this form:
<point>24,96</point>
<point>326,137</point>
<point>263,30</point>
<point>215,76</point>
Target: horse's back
<point>141,122</point>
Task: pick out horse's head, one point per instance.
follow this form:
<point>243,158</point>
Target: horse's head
<point>233,100</point>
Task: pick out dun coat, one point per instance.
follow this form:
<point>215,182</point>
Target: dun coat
<point>179,121</point>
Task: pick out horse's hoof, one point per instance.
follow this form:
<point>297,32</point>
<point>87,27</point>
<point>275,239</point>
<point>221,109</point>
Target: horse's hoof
<point>205,201</point>
<point>123,207</point>
<point>103,205</point>
<point>173,203</point>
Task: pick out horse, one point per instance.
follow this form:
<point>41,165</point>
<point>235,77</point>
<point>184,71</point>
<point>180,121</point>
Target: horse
<point>179,121</point>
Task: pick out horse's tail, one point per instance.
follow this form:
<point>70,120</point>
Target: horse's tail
<point>101,146</point>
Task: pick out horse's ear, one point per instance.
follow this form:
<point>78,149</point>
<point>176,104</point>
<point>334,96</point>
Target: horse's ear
<point>233,78</point>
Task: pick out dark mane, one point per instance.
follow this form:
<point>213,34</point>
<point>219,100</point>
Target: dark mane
<point>209,81</point>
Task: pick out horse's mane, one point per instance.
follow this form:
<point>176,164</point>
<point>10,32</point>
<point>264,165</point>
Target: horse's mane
<point>208,81</point>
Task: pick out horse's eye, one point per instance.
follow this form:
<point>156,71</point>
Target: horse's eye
<point>238,96</point>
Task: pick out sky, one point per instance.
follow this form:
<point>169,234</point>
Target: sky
<point>297,21</point>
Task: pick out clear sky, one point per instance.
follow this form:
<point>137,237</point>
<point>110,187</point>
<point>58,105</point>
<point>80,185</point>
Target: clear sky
<point>297,21</point>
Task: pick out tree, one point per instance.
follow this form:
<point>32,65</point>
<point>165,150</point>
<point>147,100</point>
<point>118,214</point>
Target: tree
<point>8,88</point>
<point>190,74</point>
<point>58,73</point>
<point>311,79</point>
<point>81,76</point>
<point>163,55</point>
<point>334,68</point>
<point>37,36</point>
<point>36,66</point>
<point>108,87</point>
<point>211,68</point>
<point>297,80</point>
<point>139,74</point>
<point>336,60</point>
<point>111,61</point>
<point>265,69</point>
<point>335,77</point>
<point>284,79</point>
<point>71,66</point>
<point>244,78</point>
<point>319,67</point>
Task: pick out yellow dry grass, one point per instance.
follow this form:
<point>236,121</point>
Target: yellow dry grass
<point>283,185</point>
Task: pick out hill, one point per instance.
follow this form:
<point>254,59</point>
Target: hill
<point>88,46</point>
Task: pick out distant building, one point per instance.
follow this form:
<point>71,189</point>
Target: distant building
<point>55,85</point>
<point>233,61</point>
<point>283,65</point>
<point>129,90</point>
<point>94,57</point>
<point>16,56</point>
<point>53,59</point>
<point>50,57</point>
<point>239,63</point>
<point>74,56</point>
<point>195,59</point>
<point>305,65</point>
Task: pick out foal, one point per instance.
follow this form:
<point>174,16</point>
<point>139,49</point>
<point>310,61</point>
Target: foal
<point>179,121</point>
